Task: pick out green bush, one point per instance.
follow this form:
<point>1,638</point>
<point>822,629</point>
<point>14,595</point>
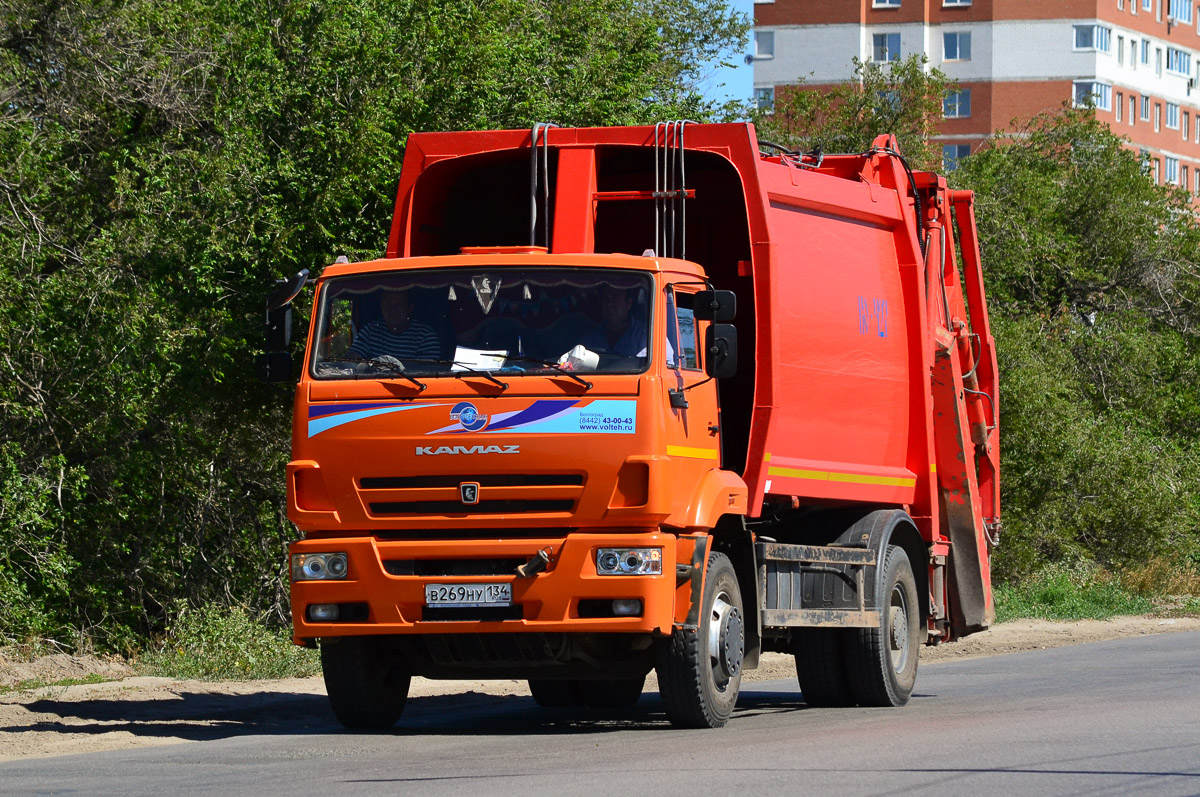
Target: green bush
<point>216,643</point>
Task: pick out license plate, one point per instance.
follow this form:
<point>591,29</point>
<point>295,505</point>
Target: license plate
<point>468,594</point>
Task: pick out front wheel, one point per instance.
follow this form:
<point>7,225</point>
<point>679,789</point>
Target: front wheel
<point>882,662</point>
<point>367,684</point>
<point>700,671</point>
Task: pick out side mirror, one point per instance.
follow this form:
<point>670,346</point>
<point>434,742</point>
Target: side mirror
<point>715,305</point>
<point>274,366</point>
<point>720,349</point>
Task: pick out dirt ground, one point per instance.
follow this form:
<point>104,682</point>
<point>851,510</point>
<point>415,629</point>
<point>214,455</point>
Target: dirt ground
<point>135,711</point>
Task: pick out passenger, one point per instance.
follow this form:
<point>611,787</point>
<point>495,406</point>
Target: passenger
<point>396,333</point>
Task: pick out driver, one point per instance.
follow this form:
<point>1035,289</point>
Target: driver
<point>621,332</point>
<point>396,333</point>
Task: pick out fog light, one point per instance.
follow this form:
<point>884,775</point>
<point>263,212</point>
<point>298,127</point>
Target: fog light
<point>629,561</point>
<point>319,566</point>
<point>323,612</point>
<point>627,607</point>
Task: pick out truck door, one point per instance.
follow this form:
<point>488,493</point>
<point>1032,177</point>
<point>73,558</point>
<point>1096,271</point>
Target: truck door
<point>693,441</point>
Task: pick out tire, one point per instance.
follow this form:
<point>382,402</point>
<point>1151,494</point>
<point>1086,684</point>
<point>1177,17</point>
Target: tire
<point>367,684</point>
<point>614,693</point>
<point>700,672</point>
<point>882,662</point>
<point>555,693</point>
<point>821,667</point>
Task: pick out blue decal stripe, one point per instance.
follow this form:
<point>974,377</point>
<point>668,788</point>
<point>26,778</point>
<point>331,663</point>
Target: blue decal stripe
<point>538,411</point>
<point>315,427</point>
<point>333,409</point>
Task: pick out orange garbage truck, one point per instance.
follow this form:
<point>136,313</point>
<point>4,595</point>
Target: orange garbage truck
<point>646,398</point>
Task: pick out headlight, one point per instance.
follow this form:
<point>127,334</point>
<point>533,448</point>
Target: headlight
<point>319,566</point>
<point>629,561</point>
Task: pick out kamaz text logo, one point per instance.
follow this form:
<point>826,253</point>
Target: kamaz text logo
<point>429,451</point>
<point>465,413</point>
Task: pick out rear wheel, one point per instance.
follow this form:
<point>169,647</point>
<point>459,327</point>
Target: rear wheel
<point>367,684</point>
<point>700,672</point>
<point>821,667</point>
<point>882,662</point>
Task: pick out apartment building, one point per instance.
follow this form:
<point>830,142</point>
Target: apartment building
<point>1138,61</point>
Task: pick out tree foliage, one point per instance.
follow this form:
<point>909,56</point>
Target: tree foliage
<point>901,97</point>
<point>1093,281</point>
<point>161,163</point>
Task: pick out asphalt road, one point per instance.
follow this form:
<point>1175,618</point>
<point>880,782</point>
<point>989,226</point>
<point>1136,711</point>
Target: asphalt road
<point>1113,717</point>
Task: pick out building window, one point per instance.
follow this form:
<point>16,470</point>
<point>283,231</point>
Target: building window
<point>1157,116</point>
<point>886,3</point>
<point>891,99</point>
<point>1183,177</point>
<point>1145,51</point>
<point>1132,109</point>
<point>956,46</point>
<point>957,104</point>
<point>1133,53</point>
<point>1158,61</point>
<point>1145,108</point>
<point>1154,170</point>
<point>887,47</point>
<point>764,44</point>
<point>1147,5</point>
<point>956,2</point>
<point>1179,61</point>
<point>1120,5</point>
<point>1187,123</point>
<point>1119,105</point>
<point>1098,94</point>
<point>1121,51</point>
<point>1172,171</point>
<point>952,154</point>
<point>1172,116</point>
<point>1092,37</point>
<point>1196,177</point>
<point>1181,10</point>
<point>765,98</point>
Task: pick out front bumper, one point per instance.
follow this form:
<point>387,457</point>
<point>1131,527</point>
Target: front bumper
<point>560,599</point>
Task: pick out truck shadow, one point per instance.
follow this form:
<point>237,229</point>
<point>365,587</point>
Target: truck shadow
<point>201,716</point>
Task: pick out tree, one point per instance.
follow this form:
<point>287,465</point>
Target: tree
<point>901,97</point>
<point>1092,284</point>
<point>161,163</point>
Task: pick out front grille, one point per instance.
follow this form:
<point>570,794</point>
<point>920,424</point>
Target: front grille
<point>512,506</point>
<point>452,567</point>
<point>474,534</point>
<point>485,480</point>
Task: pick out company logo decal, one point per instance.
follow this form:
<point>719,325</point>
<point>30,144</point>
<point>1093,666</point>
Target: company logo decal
<point>469,492</point>
<point>429,451</point>
<point>555,416</point>
<point>468,417</point>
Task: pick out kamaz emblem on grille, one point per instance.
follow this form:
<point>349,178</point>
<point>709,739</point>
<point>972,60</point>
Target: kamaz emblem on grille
<point>469,492</point>
<point>428,451</point>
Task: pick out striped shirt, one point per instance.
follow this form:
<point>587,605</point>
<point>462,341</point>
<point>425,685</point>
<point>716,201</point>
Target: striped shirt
<point>416,341</point>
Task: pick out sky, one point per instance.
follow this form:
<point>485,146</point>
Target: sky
<point>735,81</point>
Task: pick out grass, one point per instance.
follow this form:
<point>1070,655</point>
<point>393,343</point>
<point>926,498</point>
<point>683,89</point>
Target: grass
<point>222,644</point>
<point>39,683</point>
<point>1089,592</point>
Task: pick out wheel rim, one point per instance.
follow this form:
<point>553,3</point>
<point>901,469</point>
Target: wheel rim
<point>898,646</point>
<point>725,641</point>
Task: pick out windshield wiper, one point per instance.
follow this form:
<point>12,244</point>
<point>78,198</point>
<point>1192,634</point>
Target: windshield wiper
<point>385,362</point>
<point>488,375</point>
<point>554,366</point>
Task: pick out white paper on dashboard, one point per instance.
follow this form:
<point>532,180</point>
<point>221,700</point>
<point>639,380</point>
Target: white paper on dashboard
<point>466,359</point>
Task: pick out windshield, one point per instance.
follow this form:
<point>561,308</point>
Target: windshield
<point>454,322</point>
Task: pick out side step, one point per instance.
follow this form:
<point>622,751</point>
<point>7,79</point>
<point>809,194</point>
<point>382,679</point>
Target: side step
<point>815,586</point>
